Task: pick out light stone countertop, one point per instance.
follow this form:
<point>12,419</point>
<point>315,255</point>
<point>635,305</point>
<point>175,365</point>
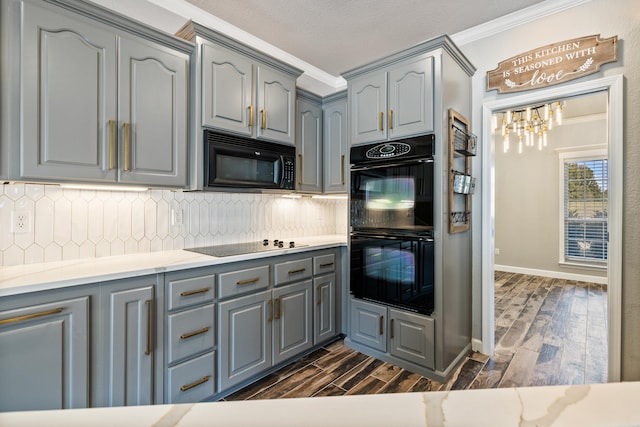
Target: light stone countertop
<point>52,275</point>
<point>614,404</point>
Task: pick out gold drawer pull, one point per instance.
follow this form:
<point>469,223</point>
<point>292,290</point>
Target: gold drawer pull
<point>342,169</point>
<point>278,308</point>
<point>127,147</point>
<point>263,119</point>
<point>250,115</point>
<point>391,328</point>
<point>248,281</point>
<point>319,292</point>
<point>390,119</point>
<point>381,120</point>
<point>194,292</point>
<point>300,270</point>
<point>31,316</point>
<point>381,325</point>
<point>327,264</point>
<point>112,144</point>
<point>195,384</point>
<point>148,349</point>
<point>194,333</point>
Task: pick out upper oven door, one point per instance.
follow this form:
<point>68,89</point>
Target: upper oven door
<point>392,196</point>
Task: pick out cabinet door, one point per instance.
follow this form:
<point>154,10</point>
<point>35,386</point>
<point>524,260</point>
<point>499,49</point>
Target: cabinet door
<point>368,324</point>
<point>68,95</point>
<point>244,345</point>
<point>368,104</point>
<point>276,97</point>
<point>130,350</point>
<point>411,98</point>
<point>292,320</point>
<point>44,355</point>
<point>152,108</point>
<point>324,325</point>
<point>336,161</point>
<point>227,91</point>
<point>309,145</point>
<point>411,337</point>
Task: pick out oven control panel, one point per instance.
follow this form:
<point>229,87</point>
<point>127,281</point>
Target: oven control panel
<point>388,150</point>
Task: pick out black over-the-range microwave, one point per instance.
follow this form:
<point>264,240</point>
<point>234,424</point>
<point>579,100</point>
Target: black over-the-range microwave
<point>243,163</point>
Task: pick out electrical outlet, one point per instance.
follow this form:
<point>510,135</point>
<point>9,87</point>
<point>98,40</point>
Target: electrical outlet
<point>496,251</point>
<point>20,221</point>
<point>176,216</point>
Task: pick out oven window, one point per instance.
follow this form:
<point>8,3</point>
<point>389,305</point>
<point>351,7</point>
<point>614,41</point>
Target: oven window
<point>243,169</point>
<point>394,197</point>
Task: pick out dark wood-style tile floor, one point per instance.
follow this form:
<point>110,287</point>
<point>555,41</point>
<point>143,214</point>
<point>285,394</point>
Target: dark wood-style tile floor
<point>548,331</point>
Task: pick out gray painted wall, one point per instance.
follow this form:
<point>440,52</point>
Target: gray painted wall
<point>527,227</point>
<point>608,18</point>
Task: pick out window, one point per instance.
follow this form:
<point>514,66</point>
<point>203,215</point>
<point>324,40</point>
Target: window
<point>585,201</point>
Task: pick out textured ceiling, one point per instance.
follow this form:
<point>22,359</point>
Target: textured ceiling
<point>339,35</point>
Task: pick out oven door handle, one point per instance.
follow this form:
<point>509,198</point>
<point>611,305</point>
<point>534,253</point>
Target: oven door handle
<point>355,168</point>
<point>394,237</point>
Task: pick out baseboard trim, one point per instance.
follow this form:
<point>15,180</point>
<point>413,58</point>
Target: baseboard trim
<point>553,274</point>
<point>476,345</point>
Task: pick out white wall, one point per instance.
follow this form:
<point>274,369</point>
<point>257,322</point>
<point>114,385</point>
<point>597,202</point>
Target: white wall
<point>608,18</point>
<point>71,224</point>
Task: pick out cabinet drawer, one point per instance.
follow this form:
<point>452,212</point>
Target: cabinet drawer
<point>324,264</point>
<point>293,271</point>
<point>190,332</point>
<point>192,381</point>
<point>183,292</point>
<point>243,281</point>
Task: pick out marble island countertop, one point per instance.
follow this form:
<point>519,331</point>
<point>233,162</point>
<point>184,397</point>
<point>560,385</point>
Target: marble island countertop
<point>44,276</point>
<point>614,404</point>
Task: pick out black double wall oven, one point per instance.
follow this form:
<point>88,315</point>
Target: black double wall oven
<point>391,218</point>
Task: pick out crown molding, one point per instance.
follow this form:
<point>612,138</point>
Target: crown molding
<point>515,19</point>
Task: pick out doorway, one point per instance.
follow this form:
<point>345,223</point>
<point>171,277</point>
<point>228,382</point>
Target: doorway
<point>612,86</point>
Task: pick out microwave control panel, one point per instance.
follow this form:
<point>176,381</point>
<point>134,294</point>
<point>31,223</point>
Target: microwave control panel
<point>288,175</point>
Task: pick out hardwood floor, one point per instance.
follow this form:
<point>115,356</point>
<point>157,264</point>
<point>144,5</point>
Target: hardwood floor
<point>548,331</point>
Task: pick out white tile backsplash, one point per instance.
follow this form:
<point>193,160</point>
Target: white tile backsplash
<point>71,224</point>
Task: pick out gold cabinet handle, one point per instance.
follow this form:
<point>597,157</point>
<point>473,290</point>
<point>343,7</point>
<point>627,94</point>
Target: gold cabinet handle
<point>342,169</point>
<point>248,281</point>
<point>319,292</point>
<point>381,325</point>
<point>194,292</point>
<point>148,349</point>
<point>278,308</point>
<point>300,270</point>
<point>112,144</point>
<point>127,147</point>
<point>195,384</point>
<point>390,119</point>
<point>381,120</point>
<point>194,333</point>
<point>270,318</point>
<point>263,119</point>
<point>391,328</point>
<point>250,115</point>
<point>300,161</point>
<point>328,264</point>
<point>31,316</point>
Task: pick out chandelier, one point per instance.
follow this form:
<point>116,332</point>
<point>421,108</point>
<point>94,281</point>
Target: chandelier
<point>528,126</point>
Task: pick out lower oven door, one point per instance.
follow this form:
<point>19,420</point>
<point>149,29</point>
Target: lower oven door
<point>395,270</point>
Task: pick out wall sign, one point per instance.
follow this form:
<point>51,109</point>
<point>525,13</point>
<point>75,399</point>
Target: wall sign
<point>553,64</point>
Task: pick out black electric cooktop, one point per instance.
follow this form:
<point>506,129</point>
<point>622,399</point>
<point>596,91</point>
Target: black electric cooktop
<point>245,248</point>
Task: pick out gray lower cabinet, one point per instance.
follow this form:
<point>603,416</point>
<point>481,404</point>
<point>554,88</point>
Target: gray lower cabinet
<point>401,334</point>
<point>190,336</point>
<point>44,351</point>
<point>95,104</point>
<point>324,310</point>
<point>292,320</point>
<point>128,308</point>
<point>245,337</point>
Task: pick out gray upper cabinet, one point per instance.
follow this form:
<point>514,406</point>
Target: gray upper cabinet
<point>227,87</point>
<point>393,102</point>
<point>44,351</point>
<point>336,145</point>
<point>90,102</point>
<point>152,107</point>
<point>309,145</point>
<point>245,96</point>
